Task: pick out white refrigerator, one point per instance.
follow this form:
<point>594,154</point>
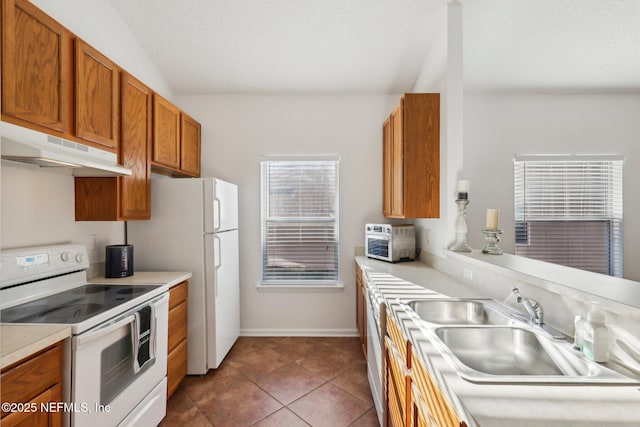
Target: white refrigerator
<point>194,227</point>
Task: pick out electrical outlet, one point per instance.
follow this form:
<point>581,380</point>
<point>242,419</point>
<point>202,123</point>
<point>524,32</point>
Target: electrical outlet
<point>468,274</point>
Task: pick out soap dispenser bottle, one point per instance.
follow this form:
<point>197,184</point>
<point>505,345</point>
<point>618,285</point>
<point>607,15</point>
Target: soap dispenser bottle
<point>596,335</point>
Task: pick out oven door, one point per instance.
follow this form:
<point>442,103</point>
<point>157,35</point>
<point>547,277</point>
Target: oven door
<point>378,246</point>
<point>118,364</point>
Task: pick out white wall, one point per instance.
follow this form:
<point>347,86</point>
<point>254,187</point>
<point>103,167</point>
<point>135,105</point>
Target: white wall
<point>38,205</point>
<point>497,126</point>
<point>236,130</point>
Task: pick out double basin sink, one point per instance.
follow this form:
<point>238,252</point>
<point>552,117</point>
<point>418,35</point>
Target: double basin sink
<point>487,343</point>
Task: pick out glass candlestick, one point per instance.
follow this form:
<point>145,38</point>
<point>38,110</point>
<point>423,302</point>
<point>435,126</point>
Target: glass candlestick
<point>460,244</point>
<point>492,237</point>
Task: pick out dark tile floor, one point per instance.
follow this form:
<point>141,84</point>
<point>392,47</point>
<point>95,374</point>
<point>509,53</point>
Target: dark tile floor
<point>279,381</point>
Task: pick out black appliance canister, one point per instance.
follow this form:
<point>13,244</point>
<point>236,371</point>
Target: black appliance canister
<point>119,261</point>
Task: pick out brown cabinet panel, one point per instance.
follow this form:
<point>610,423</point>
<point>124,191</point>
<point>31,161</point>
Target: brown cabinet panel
<point>411,158</point>
<point>166,133</point>
<point>177,347</point>
<point>123,198</point>
<point>38,418</point>
<point>35,379</point>
<point>36,68</point>
<point>397,162</point>
<point>96,97</point>
<point>386,167</point>
<point>178,325</point>
<point>135,148</point>
<point>96,199</point>
<point>436,405</point>
<point>27,379</point>
<point>176,367</point>
<point>190,145</point>
<point>178,294</point>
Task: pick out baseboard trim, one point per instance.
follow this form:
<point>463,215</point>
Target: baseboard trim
<point>299,332</point>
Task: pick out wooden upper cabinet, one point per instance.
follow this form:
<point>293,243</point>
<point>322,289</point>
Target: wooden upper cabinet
<point>128,197</point>
<point>96,97</point>
<point>36,68</point>
<point>411,158</point>
<point>135,148</point>
<point>166,133</point>
<point>386,167</point>
<point>190,145</point>
<point>397,162</point>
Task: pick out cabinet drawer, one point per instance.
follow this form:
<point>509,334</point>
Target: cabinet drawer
<point>38,417</point>
<point>178,294</point>
<point>178,325</point>
<point>176,367</point>
<point>28,379</point>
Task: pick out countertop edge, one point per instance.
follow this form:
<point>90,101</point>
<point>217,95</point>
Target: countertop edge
<point>28,346</point>
<point>170,278</point>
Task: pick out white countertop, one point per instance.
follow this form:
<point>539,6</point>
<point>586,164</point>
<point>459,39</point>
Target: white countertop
<point>20,341</point>
<point>499,405</point>
<point>170,278</point>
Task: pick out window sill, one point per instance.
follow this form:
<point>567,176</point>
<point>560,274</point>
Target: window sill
<point>319,287</point>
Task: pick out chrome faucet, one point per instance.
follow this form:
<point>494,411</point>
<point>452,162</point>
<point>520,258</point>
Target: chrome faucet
<point>533,307</point>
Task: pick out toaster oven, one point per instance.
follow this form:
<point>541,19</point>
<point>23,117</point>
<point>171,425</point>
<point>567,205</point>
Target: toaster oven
<point>390,242</point>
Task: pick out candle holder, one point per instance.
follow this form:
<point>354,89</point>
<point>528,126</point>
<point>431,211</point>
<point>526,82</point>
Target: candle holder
<point>460,244</point>
<point>492,237</point>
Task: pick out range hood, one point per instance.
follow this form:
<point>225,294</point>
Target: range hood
<point>24,145</point>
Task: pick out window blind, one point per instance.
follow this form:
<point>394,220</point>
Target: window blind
<point>299,221</point>
<point>569,211</point>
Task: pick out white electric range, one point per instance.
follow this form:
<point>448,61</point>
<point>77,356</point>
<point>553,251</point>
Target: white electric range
<point>118,356</point>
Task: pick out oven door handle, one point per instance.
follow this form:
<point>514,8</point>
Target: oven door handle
<point>83,339</point>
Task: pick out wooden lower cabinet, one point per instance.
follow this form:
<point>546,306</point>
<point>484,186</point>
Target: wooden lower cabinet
<point>398,380</point>
<point>177,347</point>
<point>33,381</point>
<point>437,411</point>
<point>413,398</point>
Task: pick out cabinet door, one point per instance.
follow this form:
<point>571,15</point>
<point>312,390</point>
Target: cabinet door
<point>166,133</point>
<point>96,97</point>
<point>36,68</point>
<point>387,178</point>
<point>177,344</point>
<point>135,149</point>
<point>189,145</point>
<point>397,162</point>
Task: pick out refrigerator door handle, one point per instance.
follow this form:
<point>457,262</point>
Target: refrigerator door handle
<point>217,258</point>
<point>217,219</point>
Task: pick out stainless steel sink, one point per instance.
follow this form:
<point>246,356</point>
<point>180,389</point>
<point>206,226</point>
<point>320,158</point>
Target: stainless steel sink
<point>516,354</point>
<point>453,311</point>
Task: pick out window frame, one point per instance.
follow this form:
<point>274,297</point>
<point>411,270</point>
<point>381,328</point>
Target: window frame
<point>298,283</point>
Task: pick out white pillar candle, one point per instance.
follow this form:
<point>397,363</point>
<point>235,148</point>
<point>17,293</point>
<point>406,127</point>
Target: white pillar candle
<point>463,190</point>
<point>492,219</point>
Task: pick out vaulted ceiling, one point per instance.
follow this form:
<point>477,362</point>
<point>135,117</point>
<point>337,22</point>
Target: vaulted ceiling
<point>380,46</point>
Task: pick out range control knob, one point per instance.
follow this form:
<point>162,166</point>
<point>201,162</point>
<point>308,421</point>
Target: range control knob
<point>79,257</point>
<point>64,256</point>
